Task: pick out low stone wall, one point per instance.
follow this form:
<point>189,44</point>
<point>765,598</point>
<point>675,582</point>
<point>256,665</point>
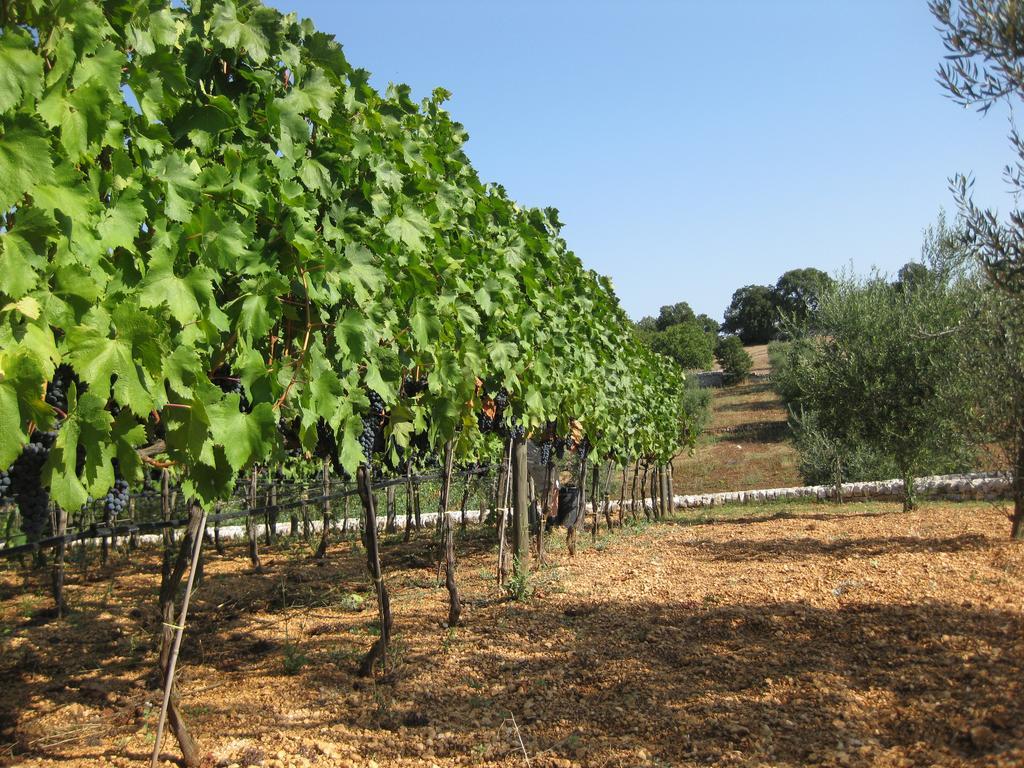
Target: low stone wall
<point>971,487</point>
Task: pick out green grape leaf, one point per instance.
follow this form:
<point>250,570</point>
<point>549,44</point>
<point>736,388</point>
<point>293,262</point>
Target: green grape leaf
<point>234,33</point>
<point>21,69</point>
<point>409,229</point>
<point>120,224</point>
<point>87,426</point>
<point>24,160</point>
<point>245,437</point>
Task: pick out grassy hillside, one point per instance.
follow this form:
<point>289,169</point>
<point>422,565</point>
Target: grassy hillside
<point>747,444</point>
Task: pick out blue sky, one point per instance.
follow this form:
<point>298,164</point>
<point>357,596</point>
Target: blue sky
<point>693,148</point>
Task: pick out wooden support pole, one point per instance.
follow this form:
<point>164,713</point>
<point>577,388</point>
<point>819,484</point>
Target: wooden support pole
<point>520,509</point>
<point>379,649</point>
<point>327,518</point>
<point>454,605</point>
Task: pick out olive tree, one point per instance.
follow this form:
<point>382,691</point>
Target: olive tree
<point>985,66</point>
<point>882,374</point>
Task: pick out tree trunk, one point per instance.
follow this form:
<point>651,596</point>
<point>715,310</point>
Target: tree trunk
<point>1017,524</point>
<point>168,532</point>
<point>379,650</point>
<point>325,530</point>
<point>595,482</point>
<point>250,523</point>
<point>909,492</point>
<point>191,544</point>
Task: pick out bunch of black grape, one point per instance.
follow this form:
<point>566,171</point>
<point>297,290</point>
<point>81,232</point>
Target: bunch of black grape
<point>231,385</point>
<point>412,387</point>
<point>116,500</point>
<point>493,423</point>
<point>372,437</point>
<point>26,483</point>
<point>327,445</point>
<point>562,444</point>
<point>545,453</point>
<point>57,389</point>
<point>484,422</point>
<point>517,431</point>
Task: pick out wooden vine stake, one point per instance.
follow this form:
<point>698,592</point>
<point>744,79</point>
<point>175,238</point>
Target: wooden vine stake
<point>544,509</point>
<point>58,562</point>
<point>454,605</point>
<point>632,491</point>
<point>250,523</point>
<point>389,495</point>
<point>520,509</point>
<point>408,499</point>
<point>379,649</point>
<point>622,497</point>
<point>501,510</point>
<point>325,530</point>
<point>595,473</point>
<point>170,644</point>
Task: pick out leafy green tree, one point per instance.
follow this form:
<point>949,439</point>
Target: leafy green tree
<point>709,325</point>
<point>674,314</point>
<point>797,292</point>
<point>882,377</point>
<point>984,40</point>
<point>993,363</point>
<point>752,315</point>
<point>647,325</point>
<point>687,344</point>
<point>911,275</point>
<point>736,362</point>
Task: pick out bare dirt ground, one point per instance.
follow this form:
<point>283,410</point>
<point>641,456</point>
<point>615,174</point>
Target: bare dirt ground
<point>747,444</point>
<point>793,635</point>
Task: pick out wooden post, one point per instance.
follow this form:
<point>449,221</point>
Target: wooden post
<point>622,496</point>
<point>325,530</point>
<point>389,525</point>
<point>58,563</point>
<point>171,634</point>
<point>544,509</point>
<point>168,532</point>
<point>520,508</point>
<point>594,484</point>
<point>379,649</point>
<point>416,504</point>
<point>271,514</point>
<point>643,493</point>
<point>501,510</point>
<point>454,605</point>
<point>465,503</point>
<point>408,499</point>
<point>632,491</point>
<point>250,523</point>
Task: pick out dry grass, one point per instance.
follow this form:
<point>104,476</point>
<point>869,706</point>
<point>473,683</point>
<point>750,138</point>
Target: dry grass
<point>747,445</point>
<point>759,354</point>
